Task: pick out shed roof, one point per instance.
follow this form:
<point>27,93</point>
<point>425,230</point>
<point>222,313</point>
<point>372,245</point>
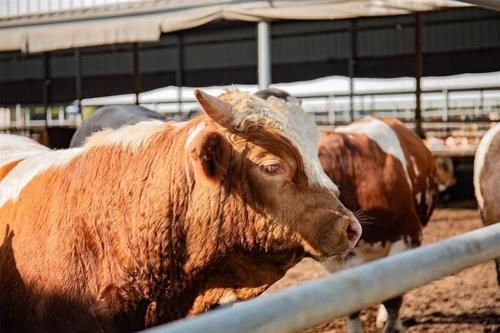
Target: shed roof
<point>147,21</point>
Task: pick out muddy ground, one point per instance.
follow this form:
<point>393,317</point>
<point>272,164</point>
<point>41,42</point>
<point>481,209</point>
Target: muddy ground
<point>465,302</point>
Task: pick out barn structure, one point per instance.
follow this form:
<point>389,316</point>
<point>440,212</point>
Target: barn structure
<point>57,53</point>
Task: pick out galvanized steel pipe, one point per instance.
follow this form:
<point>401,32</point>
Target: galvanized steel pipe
<point>314,302</point>
<point>264,54</point>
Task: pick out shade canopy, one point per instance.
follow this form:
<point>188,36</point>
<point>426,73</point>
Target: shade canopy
<point>146,23</point>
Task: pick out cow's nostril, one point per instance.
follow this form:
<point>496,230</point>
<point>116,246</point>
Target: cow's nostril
<point>352,232</point>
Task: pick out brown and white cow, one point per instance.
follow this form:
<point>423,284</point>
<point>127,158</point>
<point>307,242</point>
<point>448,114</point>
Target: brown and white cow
<point>385,172</point>
<point>14,149</point>
<point>152,222</point>
<point>487,180</point>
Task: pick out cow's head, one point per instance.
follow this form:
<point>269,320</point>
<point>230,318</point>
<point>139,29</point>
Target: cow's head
<point>258,160</point>
<point>264,153</point>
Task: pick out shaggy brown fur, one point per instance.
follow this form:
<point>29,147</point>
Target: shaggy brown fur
<point>126,236</point>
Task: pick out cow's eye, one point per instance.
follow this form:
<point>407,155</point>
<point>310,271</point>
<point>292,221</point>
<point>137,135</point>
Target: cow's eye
<point>271,169</point>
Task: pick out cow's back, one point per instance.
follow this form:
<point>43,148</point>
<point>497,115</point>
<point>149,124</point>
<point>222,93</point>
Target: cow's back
<point>15,148</point>
<point>384,171</point>
<point>114,117</point>
<point>487,175</point>
<point>421,169</point>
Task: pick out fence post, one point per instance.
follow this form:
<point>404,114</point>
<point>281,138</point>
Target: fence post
<point>331,109</point>
<point>445,109</point>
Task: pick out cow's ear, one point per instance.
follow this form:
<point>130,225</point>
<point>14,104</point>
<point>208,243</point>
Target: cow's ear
<point>211,154</point>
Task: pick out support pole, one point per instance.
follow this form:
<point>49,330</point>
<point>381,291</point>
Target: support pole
<point>352,67</point>
<point>418,75</point>
<point>446,104</point>
<point>137,73</point>
<point>47,85</point>
<point>78,79</point>
<point>264,54</point>
<point>179,73</point>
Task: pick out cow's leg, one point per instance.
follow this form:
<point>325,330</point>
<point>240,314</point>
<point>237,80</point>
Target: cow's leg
<point>354,324</point>
<point>393,323</point>
<point>388,312</point>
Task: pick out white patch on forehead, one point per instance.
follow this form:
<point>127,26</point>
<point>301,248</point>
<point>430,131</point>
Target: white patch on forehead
<point>131,136</point>
<point>193,133</point>
<point>383,135</point>
<point>15,148</point>
<point>15,181</point>
<point>479,160</point>
<point>290,120</point>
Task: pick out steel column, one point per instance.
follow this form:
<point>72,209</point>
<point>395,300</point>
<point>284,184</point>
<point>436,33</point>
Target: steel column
<point>352,67</point>
<point>137,72</point>
<point>264,54</point>
<point>78,78</point>
<point>418,75</point>
<point>47,84</point>
<point>179,73</point>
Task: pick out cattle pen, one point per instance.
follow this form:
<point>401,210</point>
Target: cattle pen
<point>315,302</point>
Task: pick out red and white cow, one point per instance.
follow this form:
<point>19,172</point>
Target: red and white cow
<point>487,180</point>
<point>385,173</point>
<point>152,222</point>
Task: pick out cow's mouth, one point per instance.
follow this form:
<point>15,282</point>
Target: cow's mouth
<point>340,258</point>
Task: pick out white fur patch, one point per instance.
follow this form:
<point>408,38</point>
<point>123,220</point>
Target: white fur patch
<point>15,181</point>
<point>290,120</point>
<point>228,298</point>
<point>16,147</point>
<point>415,168</point>
<point>178,124</point>
<point>193,133</point>
<point>381,316</point>
<point>479,159</point>
<point>383,135</point>
<point>354,325</point>
<point>131,136</point>
<point>418,197</point>
<point>398,247</point>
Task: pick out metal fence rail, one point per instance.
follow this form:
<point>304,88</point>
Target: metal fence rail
<point>312,303</point>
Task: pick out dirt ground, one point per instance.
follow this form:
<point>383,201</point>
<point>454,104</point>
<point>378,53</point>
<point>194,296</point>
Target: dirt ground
<point>465,302</point>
